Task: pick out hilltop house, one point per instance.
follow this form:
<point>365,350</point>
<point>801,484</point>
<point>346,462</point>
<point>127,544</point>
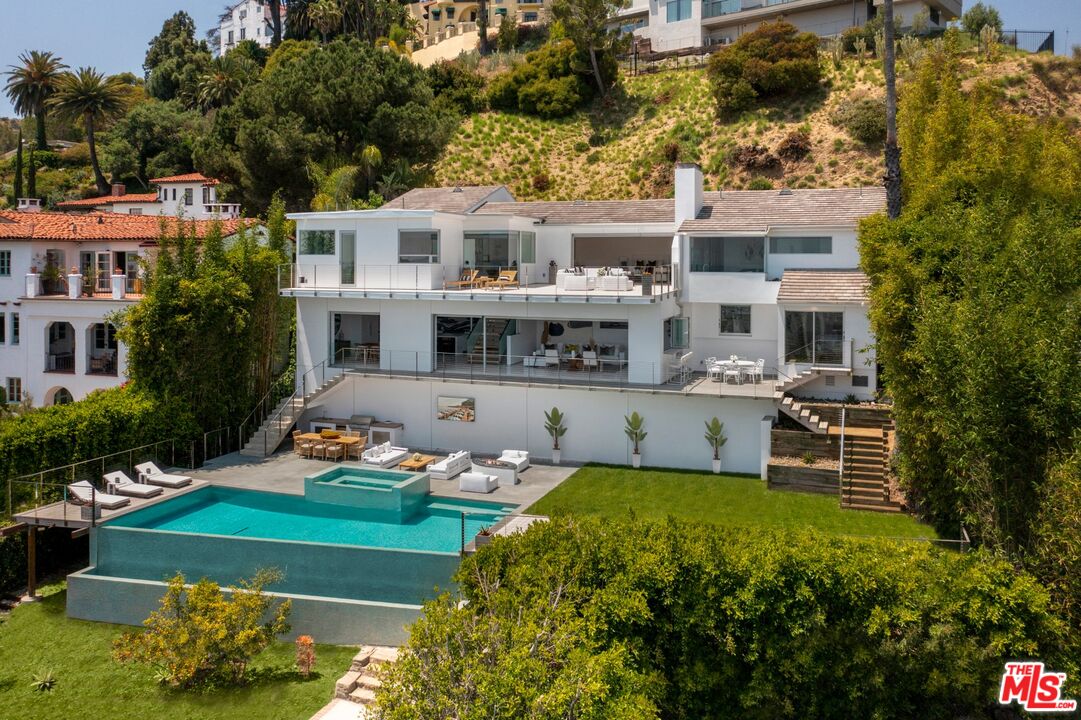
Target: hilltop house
<point>437,20</point>
<point>61,276</point>
<point>247,20</point>
<point>678,24</point>
<point>194,195</point>
<point>731,304</point>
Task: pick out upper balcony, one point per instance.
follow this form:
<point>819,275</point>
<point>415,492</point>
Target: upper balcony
<point>52,286</point>
<point>527,283</point>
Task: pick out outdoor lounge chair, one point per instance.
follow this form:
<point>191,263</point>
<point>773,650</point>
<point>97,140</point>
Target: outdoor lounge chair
<point>451,466</point>
<point>507,278</point>
<point>468,280</point>
<point>152,474</point>
<point>518,458</point>
<point>477,482</point>
<point>119,483</point>
<point>83,493</point>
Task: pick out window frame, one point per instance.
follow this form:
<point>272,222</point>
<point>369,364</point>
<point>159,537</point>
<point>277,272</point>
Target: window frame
<point>431,258</point>
<point>683,11</point>
<point>5,263</point>
<point>707,259</point>
<point>17,384</point>
<point>305,248</point>
<point>14,329</point>
<point>777,248</point>
<point>721,320</point>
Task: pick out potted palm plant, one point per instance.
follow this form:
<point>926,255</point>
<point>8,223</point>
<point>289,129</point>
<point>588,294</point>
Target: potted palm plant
<point>716,438</point>
<point>484,537</point>
<point>636,433</point>
<point>553,423</point>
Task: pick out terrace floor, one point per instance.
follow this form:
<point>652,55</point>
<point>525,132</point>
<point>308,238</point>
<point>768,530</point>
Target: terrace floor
<point>68,515</point>
<point>284,472</point>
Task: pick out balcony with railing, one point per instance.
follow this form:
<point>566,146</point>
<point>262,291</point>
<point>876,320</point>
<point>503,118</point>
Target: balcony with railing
<point>513,284</point>
<point>718,8</point>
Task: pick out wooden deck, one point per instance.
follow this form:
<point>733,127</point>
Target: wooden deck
<point>68,515</point>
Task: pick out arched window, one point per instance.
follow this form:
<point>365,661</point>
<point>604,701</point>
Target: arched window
<point>62,396</point>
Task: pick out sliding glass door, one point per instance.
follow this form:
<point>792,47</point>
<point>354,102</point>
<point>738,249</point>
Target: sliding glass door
<point>814,337</point>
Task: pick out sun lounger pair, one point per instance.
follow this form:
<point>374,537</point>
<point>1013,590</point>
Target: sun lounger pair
<point>152,475</point>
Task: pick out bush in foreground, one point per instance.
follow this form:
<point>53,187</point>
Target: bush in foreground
<point>588,619</point>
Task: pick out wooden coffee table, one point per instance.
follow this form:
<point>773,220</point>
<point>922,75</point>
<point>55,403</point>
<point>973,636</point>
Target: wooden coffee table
<point>417,465</point>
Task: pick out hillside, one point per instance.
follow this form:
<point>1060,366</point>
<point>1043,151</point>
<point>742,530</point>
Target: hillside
<point>626,148</point>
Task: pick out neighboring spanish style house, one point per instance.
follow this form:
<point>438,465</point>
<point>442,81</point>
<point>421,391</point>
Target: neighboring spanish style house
<point>678,24</point>
<point>192,195</point>
<point>722,304</point>
<point>61,276</point>
<point>247,20</point>
<point>438,20</point>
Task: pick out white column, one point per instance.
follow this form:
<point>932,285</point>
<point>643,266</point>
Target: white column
<point>118,286</point>
<point>764,442</point>
<point>75,286</point>
<point>33,284</point>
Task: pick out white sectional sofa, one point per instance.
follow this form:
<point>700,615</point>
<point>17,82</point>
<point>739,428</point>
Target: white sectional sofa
<point>451,466</point>
<point>518,458</point>
<point>477,482</point>
<point>384,455</point>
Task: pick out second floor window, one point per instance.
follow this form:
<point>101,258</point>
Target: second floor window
<point>206,196</point>
<point>800,245</point>
<point>5,263</point>
<point>727,254</point>
<point>735,320</point>
<point>14,328</point>
<point>316,242</point>
<point>230,38</point>
<point>189,196</point>
<point>418,246</point>
<point>677,10</point>
<point>243,33</point>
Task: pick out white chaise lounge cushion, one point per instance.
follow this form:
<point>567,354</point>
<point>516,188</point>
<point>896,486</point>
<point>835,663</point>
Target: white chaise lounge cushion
<point>477,482</point>
<point>384,455</point>
<point>451,466</point>
<point>152,474</point>
<point>83,491</point>
<point>518,458</point>
<point>123,485</point>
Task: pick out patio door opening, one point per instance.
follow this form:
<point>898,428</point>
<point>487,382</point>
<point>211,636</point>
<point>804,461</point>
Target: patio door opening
<point>816,338</point>
<point>356,339</point>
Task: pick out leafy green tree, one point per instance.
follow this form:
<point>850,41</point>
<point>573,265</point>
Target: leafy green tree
<point>200,637</point>
<point>154,139</point>
<point>325,15</point>
<point>31,83</point>
<point>90,96</point>
<point>175,61</point>
<point>587,24</point>
<point>507,36</point>
<point>224,79</point>
<point>276,22</point>
<point>32,173</point>
<point>19,167</point>
<point>979,16</point>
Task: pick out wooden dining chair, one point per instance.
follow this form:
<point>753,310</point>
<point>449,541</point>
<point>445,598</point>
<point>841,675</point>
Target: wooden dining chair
<point>303,448</point>
<point>333,450</point>
<point>357,448</point>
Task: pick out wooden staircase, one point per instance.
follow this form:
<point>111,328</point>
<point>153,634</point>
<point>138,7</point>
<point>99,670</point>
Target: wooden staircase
<point>864,485</point>
<point>494,328</point>
<point>803,415</point>
<point>280,422</point>
<point>360,683</point>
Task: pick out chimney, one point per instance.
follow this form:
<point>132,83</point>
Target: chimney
<point>28,205</point>
<point>119,189</point>
<point>688,191</point>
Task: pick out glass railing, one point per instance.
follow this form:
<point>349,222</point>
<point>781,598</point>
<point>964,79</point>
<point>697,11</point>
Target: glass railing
<point>716,8</point>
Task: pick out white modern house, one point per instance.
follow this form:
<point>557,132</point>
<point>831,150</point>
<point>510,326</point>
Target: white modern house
<point>61,276</point>
<point>247,20</point>
<point>192,195</point>
<point>678,24</point>
<point>730,304</point>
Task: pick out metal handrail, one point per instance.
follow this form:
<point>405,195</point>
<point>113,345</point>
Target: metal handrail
<point>275,419</point>
<point>841,464</point>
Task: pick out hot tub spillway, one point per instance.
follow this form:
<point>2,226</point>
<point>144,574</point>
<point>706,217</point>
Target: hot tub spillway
<point>380,495</point>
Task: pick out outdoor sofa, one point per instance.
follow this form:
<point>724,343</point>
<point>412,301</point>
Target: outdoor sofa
<point>451,466</point>
<point>384,455</point>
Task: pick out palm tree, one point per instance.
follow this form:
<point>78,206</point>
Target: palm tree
<point>276,22</point>
<point>90,96</point>
<point>31,83</point>
<point>370,159</point>
<point>325,15</point>
<point>893,153</point>
<point>224,80</point>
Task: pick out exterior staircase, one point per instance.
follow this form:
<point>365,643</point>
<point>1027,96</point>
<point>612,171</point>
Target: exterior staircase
<point>281,420</point>
<point>802,378</point>
<point>804,416</point>
<point>360,683</point>
<point>864,485</point>
<point>494,328</point>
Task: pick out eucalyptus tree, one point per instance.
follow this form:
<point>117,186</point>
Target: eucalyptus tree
<point>31,83</point>
<point>92,97</point>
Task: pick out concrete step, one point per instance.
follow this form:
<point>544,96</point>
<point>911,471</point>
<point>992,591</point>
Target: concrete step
<point>382,654</point>
<point>873,507</point>
<point>346,684</point>
<point>362,696</point>
<point>362,658</point>
<point>370,681</point>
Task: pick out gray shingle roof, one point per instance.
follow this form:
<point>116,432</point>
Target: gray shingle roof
<point>756,210</point>
<point>444,199</point>
<point>847,287</point>
<point>574,212</point>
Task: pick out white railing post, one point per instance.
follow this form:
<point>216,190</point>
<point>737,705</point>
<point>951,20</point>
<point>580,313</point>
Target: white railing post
<point>841,463</point>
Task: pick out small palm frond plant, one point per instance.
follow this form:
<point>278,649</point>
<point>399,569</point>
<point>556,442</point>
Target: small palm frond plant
<point>635,430</point>
<point>715,436</point>
<point>553,423</point>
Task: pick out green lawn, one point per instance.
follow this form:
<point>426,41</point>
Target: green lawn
<point>722,499</point>
<point>91,686</point>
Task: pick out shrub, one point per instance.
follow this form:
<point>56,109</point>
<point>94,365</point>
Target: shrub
<point>754,157</point>
<point>458,85</point>
<point>760,183</point>
<point>305,655</point>
<point>507,36</point>
<point>862,117</point>
<point>541,182</point>
<point>551,83</point>
<point>679,620</point>
<point>773,60</point>
<point>808,458</point>
<point>198,637</point>
<point>77,155</point>
<point>795,145</point>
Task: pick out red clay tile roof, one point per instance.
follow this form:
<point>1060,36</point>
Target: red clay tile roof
<point>99,226</point>
<point>109,200</point>
<point>846,287</point>
<point>189,178</point>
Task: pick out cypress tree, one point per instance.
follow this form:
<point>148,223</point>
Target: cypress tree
<point>19,168</point>
<point>32,175</point>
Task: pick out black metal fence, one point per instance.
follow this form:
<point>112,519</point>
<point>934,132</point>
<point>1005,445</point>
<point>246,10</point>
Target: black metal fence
<point>1033,41</point>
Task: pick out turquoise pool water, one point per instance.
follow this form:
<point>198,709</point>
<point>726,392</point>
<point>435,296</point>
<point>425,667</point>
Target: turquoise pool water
<point>227,512</point>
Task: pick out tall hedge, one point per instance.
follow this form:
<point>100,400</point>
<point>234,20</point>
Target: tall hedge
<point>678,620</point>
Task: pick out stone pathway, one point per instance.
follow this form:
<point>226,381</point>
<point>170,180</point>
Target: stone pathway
<point>355,691</point>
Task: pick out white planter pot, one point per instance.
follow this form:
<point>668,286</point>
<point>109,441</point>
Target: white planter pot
<point>716,467</point>
<point>481,540</point>
<point>556,454</point>
<point>636,460</point>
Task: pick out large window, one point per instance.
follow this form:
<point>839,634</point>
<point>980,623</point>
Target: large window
<point>5,263</point>
<point>801,245</point>
<point>316,242</point>
<point>678,10</point>
<point>492,251</point>
<point>727,254</point>
<point>418,246</point>
<point>814,337</point>
<point>14,389</point>
<point>735,320</point>
<point>528,252</point>
<point>104,336</point>
<point>348,263</point>
<point>189,197</point>
<point>677,333</point>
